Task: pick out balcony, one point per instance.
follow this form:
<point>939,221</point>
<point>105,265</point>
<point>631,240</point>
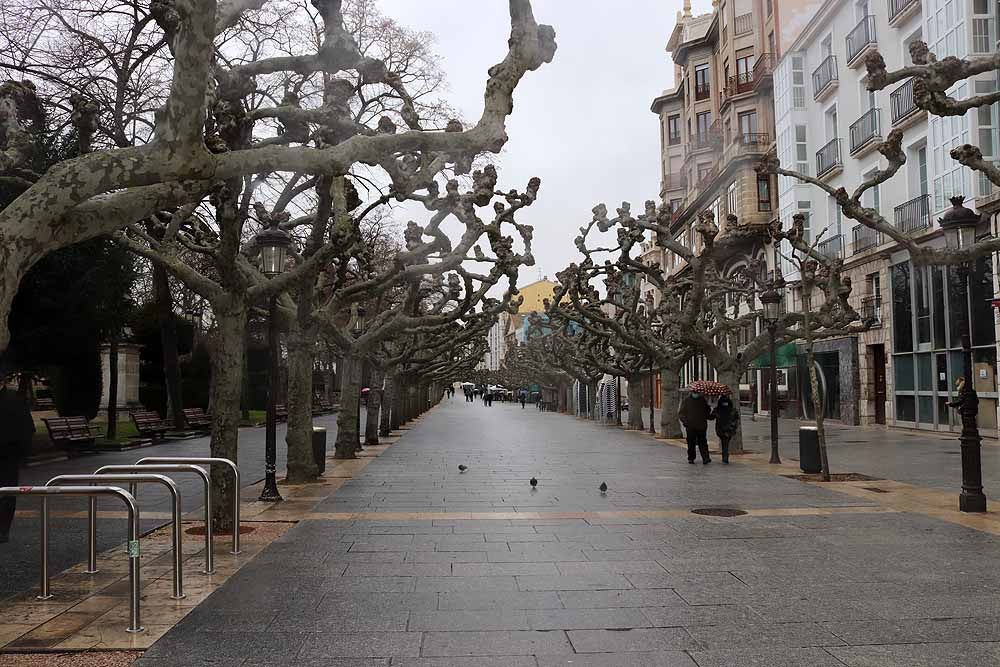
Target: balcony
<point>900,9</point>
<point>711,138</point>
<point>860,39</point>
<point>673,182</point>
<point>871,310</point>
<point>744,24</point>
<point>865,238</point>
<point>901,103</point>
<point>739,84</point>
<point>832,247</point>
<point>828,158</point>
<point>914,215</point>
<point>825,77</point>
<point>865,131</point>
<point>702,91</point>
<point>763,70</point>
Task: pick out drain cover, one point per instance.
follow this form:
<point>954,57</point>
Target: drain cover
<point>874,489</point>
<point>718,511</point>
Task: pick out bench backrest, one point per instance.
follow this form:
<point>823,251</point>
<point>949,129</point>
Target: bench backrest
<point>66,427</point>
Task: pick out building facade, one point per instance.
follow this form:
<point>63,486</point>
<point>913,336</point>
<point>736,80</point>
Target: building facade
<point>902,372</point>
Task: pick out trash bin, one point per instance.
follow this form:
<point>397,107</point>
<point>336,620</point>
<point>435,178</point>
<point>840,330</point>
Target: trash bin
<point>809,460</point>
<point>319,448</point>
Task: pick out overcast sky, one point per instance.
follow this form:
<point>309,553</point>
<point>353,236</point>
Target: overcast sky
<point>582,123</point>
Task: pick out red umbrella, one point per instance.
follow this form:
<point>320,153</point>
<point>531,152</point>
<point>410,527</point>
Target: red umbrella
<point>710,388</point>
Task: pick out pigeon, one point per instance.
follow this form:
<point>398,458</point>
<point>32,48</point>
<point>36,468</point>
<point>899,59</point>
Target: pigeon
<point>604,488</point>
<point>462,467</point>
<point>533,482</point>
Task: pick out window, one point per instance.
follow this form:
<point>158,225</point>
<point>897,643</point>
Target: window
<point>744,66</point>
<point>748,125</point>
<point>704,121</point>
<point>675,205</point>
<point>801,150</point>
<point>704,170</point>
<point>674,130</point>
<point>798,82</point>
<point>763,193</point>
<point>702,85</point>
<point>732,198</point>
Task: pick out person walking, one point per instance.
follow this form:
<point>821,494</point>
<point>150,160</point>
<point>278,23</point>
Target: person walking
<point>524,398</point>
<point>727,423</point>
<point>694,415</point>
<point>16,430</point>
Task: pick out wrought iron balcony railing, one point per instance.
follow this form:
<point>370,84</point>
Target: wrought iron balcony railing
<point>861,36</point>
<point>824,76</point>
<point>832,247</point>
<point>828,158</point>
<point>871,309</point>
<point>865,130</point>
<point>702,91</point>
<point>901,102</point>
<point>914,215</point>
<point>741,83</point>
<point>898,7</point>
<point>865,238</point>
<point>763,68</point>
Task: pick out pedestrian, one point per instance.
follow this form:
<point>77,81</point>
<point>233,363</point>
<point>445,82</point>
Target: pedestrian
<point>524,398</point>
<point>16,430</point>
<point>694,414</point>
<point>727,424</point>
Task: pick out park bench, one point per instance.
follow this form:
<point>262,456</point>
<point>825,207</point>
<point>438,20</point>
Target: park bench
<point>322,407</point>
<point>149,424</point>
<point>45,404</point>
<point>72,433</point>
<point>197,418</point>
<point>281,412</point>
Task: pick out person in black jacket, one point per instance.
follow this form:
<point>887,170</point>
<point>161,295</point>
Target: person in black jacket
<point>695,414</point>
<point>16,430</point>
<point>727,423</point>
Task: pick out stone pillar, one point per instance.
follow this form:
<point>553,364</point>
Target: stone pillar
<point>128,374</point>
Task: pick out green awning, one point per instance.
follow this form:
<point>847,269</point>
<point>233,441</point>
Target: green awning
<point>786,357</point>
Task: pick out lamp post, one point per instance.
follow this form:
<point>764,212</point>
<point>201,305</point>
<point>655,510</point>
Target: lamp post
<point>358,331</point>
<point>657,327</point>
<point>273,243</point>
<point>959,225</point>
<point>771,300</point>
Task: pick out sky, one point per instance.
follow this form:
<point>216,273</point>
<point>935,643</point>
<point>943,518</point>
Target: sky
<point>581,123</point>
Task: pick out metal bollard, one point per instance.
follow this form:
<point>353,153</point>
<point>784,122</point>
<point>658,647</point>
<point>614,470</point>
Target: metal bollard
<point>178,467</point>
<point>208,460</point>
<point>133,480</point>
<point>133,534</point>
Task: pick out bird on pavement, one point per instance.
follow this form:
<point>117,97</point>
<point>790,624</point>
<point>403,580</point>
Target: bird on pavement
<point>604,488</point>
<point>462,467</point>
<point>533,482</point>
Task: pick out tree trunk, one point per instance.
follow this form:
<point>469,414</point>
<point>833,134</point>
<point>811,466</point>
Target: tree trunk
<point>616,388</point>
<point>670,403</point>
<point>387,403</point>
<point>113,388</point>
<point>301,464</point>
<point>225,388</point>
<point>396,413</point>
<point>244,381</point>
<point>818,410</point>
<point>374,407</point>
<point>731,379</point>
<point>168,341</point>
<point>350,401</point>
<point>635,403</point>
<point>592,412</point>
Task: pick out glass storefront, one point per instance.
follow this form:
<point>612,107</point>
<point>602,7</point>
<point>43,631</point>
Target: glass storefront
<point>927,320</point>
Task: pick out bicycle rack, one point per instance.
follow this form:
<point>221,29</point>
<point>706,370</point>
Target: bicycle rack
<point>133,535</point>
<point>177,467</point>
<point>147,478</point>
<point>208,461</point>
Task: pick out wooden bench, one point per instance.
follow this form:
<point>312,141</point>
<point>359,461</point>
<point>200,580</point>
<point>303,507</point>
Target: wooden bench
<point>73,433</point>
<point>45,404</point>
<point>322,407</point>
<point>197,418</point>
<point>149,424</point>
<point>281,412</point>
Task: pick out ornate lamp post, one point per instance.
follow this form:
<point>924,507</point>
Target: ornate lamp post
<point>657,326</point>
<point>771,299</point>
<point>959,225</point>
<point>273,243</point>
<point>359,331</point>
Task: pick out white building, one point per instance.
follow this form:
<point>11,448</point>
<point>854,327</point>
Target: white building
<point>828,125</point>
<point>497,339</point>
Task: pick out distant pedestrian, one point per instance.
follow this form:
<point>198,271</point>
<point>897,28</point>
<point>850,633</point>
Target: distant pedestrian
<point>727,424</point>
<point>524,398</point>
<point>16,430</point>
<point>694,414</point>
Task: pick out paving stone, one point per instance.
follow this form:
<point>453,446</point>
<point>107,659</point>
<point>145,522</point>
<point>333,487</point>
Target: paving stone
<point>634,659</point>
<point>449,584</point>
<point>360,645</point>
<point>503,569</point>
<point>495,643</point>
<point>763,635</point>
<point>577,568</point>
<point>572,583</point>
<point>912,631</point>
<point>586,619</point>
<point>503,661</point>
<point>684,616</point>
<point>337,601</point>
<point>778,657</point>
<point>499,600</point>
<point>503,619</point>
<point>398,570</point>
<point>920,655</point>
<point>642,639</point>
<point>627,598</point>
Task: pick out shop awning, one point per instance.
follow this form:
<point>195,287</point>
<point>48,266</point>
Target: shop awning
<point>786,357</point>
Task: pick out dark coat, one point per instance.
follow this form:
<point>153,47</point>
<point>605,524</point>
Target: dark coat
<point>16,425</point>
<point>695,412</point>
<point>727,418</point>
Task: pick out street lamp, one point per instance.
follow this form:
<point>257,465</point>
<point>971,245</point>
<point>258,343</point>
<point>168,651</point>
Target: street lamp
<point>358,331</point>
<point>771,300</point>
<point>273,243</point>
<point>959,225</point>
<point>657,327</point>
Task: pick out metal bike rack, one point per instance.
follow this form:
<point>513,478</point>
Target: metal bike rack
<point>133,534</point>
<point>206,460</point>
<point>178,467</point>
<point>145,478</point>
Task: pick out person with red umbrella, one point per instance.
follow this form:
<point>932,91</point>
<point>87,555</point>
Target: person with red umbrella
<point>694,415</point>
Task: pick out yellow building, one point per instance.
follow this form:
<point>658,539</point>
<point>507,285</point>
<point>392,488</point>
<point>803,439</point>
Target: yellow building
<point>534,295</point>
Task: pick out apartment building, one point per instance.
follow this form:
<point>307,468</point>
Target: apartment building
<point>828,125</point>
<point>715,125</point>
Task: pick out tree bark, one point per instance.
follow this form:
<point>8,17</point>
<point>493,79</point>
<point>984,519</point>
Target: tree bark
<point>670,403</point>
<point>301,464</point>
<point>387,405</point>
<point>226,385</point>
<point>635,402</point>
<point>374,407</point>
<point>818,410</point>
<point>113,388</point>
<point>731,379</point>
<point>347,417</point>
<point>168,341</point>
